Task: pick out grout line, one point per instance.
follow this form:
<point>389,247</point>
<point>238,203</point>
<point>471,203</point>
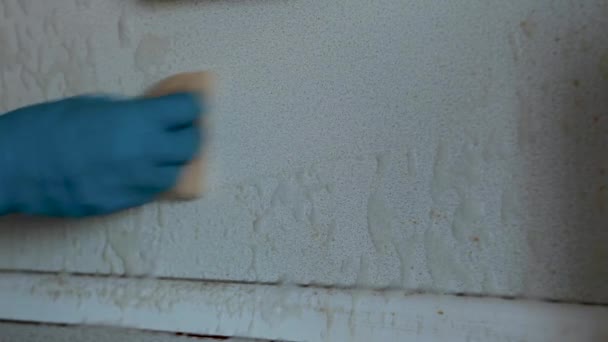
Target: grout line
<point>311,285</point>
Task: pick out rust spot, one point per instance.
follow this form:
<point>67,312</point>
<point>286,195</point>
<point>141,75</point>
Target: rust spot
<point>602,198</point>
<point>440,312</point>
<point>527,28</point>
<point>585,46</point>
<point>475,239</point>
<point>603,66</point>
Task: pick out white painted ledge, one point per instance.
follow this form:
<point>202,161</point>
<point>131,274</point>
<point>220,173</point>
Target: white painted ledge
<point>291,313</point>
<point>17,332</point>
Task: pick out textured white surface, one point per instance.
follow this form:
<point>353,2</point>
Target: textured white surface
<point>294,313</point>
<point>437,146</point>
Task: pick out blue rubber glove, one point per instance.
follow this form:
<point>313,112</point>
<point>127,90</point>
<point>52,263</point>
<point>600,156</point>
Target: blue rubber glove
<point>94,155</point>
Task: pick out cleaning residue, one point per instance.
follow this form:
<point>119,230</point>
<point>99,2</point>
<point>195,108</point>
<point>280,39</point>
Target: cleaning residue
<point>379,215</point>
<point>511,207</point>
<point>442,178</point>
<point>466,218</point>
<point>135,246</point>
<point>290,194</point>
<point>125,31</point>
<point>364,278</point>
<point>151,53</point>
<point>443,267</point>
<point>603,66</point>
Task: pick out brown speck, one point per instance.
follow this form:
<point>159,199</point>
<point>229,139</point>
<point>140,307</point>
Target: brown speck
<point>576,83</point>
<point>528,28</point>
<point>602,198</point>
<point>596,119</point>
<point>475,239</point>
<point>585,46</point>
<point>565,126</point>
<point>440,312</point>
<point>603,66</point>
<point>602,171</point>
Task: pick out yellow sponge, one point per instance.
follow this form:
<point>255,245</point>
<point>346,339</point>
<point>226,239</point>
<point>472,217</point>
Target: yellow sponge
<point>190,184</point>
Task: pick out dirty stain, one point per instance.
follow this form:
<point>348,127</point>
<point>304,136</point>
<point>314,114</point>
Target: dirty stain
<point>528,27</point>
<point>151,51</point>
<point>603,66</point>
<point>602,198</point>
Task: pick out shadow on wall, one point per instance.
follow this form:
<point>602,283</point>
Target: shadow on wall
<point>563,136</point>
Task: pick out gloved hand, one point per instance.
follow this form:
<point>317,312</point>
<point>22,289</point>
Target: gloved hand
<point>94,155</point>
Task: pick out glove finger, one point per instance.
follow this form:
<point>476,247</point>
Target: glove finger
<point>171,111</point>
<point>156,180</point>
<point>127,200</point>
<point>180,146</point>
<point>73,101</point>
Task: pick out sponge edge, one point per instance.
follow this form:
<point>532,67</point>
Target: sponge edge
<point>190,184</point>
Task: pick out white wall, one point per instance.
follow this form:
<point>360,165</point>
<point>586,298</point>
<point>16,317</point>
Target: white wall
<point>422,145</point>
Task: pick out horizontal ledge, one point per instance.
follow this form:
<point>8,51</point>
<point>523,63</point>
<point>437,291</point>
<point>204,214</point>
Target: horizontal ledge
<point>289,312</point>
